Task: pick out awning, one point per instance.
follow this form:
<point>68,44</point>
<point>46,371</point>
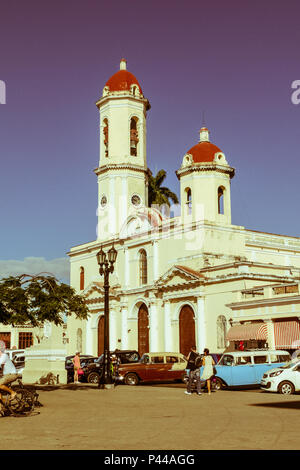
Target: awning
<point>256,331</point>
<point>287,334</point>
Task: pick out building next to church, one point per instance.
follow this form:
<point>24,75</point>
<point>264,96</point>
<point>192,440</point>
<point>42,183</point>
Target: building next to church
<point>182,280</point>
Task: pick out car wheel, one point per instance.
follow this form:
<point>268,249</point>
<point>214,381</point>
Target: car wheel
<point>219,384</point>
<point>93,378</point>
<point>131,379</point>
<point>286,388</point>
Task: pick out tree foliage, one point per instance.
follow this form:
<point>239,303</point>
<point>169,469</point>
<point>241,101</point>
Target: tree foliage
<point>158,194</point>
<point>35,299</point>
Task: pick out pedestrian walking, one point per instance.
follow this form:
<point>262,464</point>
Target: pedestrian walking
<point>208,370</point>
<point>76,363</point>
<point>194,371</point>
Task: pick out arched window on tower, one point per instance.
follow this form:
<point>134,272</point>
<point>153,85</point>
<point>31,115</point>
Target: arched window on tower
<point>105,140</point>
<point>134,138</point>
<point>221,331</point>
<point>143,275</point>
<point>188,201</point>
<point>221,191</point>
<point>81,278</point>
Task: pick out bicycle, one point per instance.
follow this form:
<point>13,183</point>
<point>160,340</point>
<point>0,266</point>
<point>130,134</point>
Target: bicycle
<point>21,405</point>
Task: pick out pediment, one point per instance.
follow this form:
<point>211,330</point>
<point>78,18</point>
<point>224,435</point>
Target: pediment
<point>180,276</point>
<point>95,290</point>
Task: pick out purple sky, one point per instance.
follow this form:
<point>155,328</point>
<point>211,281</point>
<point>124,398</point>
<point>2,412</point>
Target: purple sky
<point>233,60</point>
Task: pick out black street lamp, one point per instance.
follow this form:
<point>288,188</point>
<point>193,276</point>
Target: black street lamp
<point>106,267</point>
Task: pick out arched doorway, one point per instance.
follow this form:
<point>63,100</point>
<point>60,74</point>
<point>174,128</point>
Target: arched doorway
<point>101,335</point>
<point>187,337</point>
<point>143,330</point>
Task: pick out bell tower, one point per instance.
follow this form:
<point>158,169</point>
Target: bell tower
<point>122,171</point>
<point>205,183</point>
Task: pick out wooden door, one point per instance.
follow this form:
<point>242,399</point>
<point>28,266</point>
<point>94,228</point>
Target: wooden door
<point>143,330</point>
<point>6,338</point>
<point>187,337</point>
<point>101,335</point>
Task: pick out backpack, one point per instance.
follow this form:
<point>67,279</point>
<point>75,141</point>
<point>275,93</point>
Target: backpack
<point>198,361</point>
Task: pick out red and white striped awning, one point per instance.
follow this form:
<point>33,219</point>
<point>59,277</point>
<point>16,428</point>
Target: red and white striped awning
<point>256,331</point>
<point>287,334</point>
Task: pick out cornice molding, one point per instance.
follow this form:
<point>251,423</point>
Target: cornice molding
<point>121,166</point>
<point>201,167</point>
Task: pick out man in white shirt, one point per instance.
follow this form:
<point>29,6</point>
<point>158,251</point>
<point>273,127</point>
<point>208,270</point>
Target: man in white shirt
<point>9,371</point>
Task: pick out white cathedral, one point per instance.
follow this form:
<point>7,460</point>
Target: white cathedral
<point>178,281</point>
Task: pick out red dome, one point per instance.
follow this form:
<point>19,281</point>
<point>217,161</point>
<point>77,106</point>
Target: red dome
<point>203,152</point>
<point>122,81</point>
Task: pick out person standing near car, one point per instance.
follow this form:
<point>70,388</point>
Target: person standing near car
<point>76,362</point>
<point>208,370</point>
<point>9,372</point>
<point>194,371</point>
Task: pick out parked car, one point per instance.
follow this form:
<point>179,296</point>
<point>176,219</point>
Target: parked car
<point>93,371</point>
<point>154,366</point>
<point>284,379</point>
<point>247,367</point>
<point>19,362</point>
<point>84,360</point>
<point>13,352</point>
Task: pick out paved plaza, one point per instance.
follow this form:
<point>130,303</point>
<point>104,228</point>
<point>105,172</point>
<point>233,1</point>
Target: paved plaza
<point>159,417</point>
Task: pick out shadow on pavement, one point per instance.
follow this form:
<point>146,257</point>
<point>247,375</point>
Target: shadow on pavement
<point>293,405</point>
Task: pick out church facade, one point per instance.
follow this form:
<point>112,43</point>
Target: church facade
<point>177,280</point>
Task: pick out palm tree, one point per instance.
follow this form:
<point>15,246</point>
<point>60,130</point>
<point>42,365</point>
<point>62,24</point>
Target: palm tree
<point>158,194</point>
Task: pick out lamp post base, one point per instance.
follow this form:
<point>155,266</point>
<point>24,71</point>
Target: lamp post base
<point>107,386</point>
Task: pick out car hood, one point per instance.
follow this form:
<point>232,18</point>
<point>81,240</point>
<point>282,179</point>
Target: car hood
<point>274,370</point>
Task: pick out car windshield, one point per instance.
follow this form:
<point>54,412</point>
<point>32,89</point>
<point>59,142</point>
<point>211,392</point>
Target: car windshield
<point>100,359</point>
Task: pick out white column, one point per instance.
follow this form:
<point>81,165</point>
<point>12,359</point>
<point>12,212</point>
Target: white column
<point>201,333</point>
<point>168,328</point>
<point>89,336</point>
<point>153,328</point>
<point>127,268</point>
<point>124,198</point>
<point>113,330</point>
<point>271,336</point>
<point>14,338</point>
<point>155,260</point>
<point>124,328</point>
<point>112,208</point>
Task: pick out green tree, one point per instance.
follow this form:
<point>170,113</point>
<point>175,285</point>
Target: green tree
<point>158,194</point>
<point>35,299</point>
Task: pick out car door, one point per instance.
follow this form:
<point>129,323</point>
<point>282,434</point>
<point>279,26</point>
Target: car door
<point>224,369</point>
<point>156,369</point>
<point>175,367</point>
<point>243,371</point>
<point>262,365</point>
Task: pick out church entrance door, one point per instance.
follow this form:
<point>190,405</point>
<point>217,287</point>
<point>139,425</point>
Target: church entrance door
<point>143,330</point>
<point>187,337</point>
<point>101,335</point>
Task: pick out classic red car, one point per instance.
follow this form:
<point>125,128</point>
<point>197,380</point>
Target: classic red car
<point>158,366</point>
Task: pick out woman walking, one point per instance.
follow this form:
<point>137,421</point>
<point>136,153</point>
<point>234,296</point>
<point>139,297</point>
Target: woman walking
<point>76,362</point>
<point>208,371</point>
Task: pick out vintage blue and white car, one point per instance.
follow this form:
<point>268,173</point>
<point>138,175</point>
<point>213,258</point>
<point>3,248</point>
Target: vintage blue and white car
<point>240,368</point>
